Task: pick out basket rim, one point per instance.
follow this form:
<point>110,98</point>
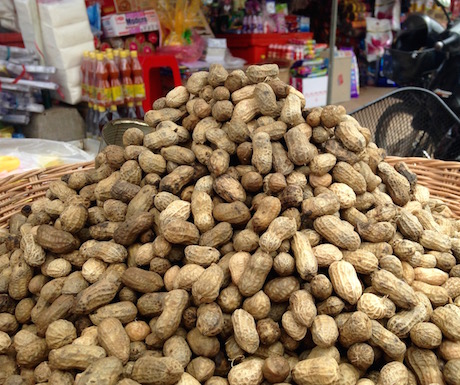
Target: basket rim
<point>19,189</point>
<point>441,177</point>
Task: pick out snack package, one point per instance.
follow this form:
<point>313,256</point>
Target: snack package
<point>186,53</point>
<point>389,9</point>
<point>378,37</point>
<point>177,20</point>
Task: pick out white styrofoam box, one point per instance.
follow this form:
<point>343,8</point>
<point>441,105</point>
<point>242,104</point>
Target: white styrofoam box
<point>69,81</point>
<point>29,23</point>
<point>67,57</point>
<point>67,36</point>
<point>314,90</point>
<point>70,76</point>
<point>62,12</point>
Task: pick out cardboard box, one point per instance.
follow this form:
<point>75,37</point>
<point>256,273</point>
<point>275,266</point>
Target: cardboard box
<point>340,77</point>
<point>130,23</point>
<point>314,90</point>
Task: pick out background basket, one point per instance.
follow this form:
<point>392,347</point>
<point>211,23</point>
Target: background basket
<point>441,177</point>
<point>21,189</point>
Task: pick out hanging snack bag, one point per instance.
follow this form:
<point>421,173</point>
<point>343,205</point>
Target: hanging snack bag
<point>378,37</point>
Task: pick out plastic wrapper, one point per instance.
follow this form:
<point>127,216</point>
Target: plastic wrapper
<point>39,153</point>
<point>389,9</point>
<point>378,38</point>
<point>16,117</point>
<point>20,101</point>
<point>29,72</point>
<point>178,19</point>
<point>18,55</point>
<point>94,17</point>
<point>186,53</point>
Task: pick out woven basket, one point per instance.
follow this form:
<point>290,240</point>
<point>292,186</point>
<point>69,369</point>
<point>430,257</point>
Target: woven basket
<point>441,177</point>
<point>20,189</point>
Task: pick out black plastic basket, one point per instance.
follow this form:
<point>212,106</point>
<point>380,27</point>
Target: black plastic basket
<point>412,121</point>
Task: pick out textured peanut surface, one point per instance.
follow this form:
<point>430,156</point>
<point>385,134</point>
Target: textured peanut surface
<point>242,240</point>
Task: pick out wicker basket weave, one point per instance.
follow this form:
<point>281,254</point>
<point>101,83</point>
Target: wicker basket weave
<point>20,189</point>
<point>441,177</point>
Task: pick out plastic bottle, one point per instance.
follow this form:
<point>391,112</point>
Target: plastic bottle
<point>103,91</point>
<point>127,82</point>
<point>95,123</point>
<point>116,57</point>
<point>131,111</point>
<point>114,114</point>
<point>84,76</point>
<point>92,76</point>
<point>260,24</point>
<point>115,84</point>
<point>103,119</point>
<point>245,24</point>
<point>138,80</point>
<point>89,120</point>
<point>140,110</point>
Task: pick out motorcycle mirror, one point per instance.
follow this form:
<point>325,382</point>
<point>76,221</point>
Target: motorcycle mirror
<point>443,3</point>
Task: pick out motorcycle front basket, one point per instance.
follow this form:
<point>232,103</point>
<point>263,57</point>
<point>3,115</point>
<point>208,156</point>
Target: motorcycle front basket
<point>408,68</point>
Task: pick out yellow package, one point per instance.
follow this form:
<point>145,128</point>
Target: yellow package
<point>9,163</point>
<point>176,18</point>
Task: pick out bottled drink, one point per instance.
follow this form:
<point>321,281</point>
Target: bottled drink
<point>95,122</point>
<point>115,84</point>
<point>103,91</point>
<point>103,119</point>
<point>116,57</point>
<point>138,80</point>
<point>140,110</point>
<point>127,82</point>
<point>89,120</point>
<point>84,76</point>
<point>92,77</point>
<point>114,114</point>
<point>131,111</point>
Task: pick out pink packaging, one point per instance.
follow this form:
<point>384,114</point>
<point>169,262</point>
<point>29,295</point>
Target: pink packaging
<point>130,23</point>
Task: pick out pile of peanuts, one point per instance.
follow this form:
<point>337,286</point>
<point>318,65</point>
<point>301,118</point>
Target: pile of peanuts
<point>245,240</point>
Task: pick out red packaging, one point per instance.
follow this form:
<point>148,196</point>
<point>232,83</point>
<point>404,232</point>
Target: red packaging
<point>140,37</point>
<point>107,6</point>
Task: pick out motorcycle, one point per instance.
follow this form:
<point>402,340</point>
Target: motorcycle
<point>425,60</point>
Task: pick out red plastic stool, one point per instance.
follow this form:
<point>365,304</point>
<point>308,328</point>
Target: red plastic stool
<point>151,65</point>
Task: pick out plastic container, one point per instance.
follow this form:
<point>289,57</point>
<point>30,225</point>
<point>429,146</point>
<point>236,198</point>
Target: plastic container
<point>253,47</point>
